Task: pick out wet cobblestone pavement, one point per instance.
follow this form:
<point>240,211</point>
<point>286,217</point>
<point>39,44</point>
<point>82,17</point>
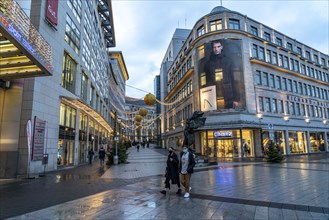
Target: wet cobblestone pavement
<point>298,188</point>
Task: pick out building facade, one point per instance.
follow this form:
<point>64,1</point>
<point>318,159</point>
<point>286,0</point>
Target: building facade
<point>143,130</point>
<point>178,40</point>
<point>254,84</point>
<point>71,110</point>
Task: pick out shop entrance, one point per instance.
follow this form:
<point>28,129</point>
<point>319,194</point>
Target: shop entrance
<point>222,148</point>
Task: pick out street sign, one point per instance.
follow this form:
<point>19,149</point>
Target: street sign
<point>270,126</point>
<point>117,138</point>
<point>271,134</point>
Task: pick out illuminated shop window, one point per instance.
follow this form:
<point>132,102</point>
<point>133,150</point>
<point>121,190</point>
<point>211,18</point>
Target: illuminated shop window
<point>297,142</point>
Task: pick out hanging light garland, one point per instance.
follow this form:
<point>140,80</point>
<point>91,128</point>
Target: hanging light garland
<point>150,100</point>
<point>143,112</point>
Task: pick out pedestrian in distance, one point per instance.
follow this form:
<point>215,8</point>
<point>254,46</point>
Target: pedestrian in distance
<point>90,155</point>
<point>138,146</point>
<point>186,166</point>
<point>101,154</point>
<point>172,172</point>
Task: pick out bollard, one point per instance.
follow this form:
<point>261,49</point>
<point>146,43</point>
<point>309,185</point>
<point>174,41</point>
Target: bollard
<point>115,160</point>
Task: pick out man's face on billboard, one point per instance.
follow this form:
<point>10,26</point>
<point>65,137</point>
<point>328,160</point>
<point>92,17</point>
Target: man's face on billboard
<point>217,48</point>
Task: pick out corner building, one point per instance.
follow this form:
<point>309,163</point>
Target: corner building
<point>266,86</point>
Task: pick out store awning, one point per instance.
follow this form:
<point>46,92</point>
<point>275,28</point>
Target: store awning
<point>88,110</point>
<point>23,51</point>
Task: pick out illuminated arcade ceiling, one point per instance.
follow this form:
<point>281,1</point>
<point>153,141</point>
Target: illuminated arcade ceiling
<point>13,62</point>
<point>23,51</point>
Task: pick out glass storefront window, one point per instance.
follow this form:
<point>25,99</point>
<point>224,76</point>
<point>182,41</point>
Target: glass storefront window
<point>223,143</point>
<point>279,140</point>
<point>62,115</point>
<point>317,141</point>
<point>297,142</point>
<point>247,149</point>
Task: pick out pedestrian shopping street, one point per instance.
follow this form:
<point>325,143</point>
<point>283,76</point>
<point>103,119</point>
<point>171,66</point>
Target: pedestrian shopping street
<point>295,189</point>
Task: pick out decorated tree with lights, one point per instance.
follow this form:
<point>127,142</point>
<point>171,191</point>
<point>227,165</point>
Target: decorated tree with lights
<point>274,155</point>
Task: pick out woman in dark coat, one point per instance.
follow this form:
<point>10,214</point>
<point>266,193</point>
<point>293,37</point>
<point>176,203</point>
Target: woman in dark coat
<point>172,172</point>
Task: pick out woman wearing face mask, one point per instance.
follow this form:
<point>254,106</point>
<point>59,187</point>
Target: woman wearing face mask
<point>172,171</point>
<point>186,169</point>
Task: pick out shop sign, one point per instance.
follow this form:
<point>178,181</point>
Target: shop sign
<point>38,139</point>
<point>220,134</point>
<point>52,11</point>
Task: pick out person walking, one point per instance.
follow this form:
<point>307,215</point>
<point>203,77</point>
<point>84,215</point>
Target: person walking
<point>138,146</point>
<point>172,173</point>
<point>101,154</point>
<point>186,166</point>
<point>90,155</point>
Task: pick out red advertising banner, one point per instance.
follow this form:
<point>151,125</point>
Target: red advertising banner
<point>52,11</point>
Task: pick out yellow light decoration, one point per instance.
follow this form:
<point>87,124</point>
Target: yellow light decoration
<point>138,118</point>
<point>149,99</point>
<point>137,123</point>
<point>143,112</point>
<point>140,126</point>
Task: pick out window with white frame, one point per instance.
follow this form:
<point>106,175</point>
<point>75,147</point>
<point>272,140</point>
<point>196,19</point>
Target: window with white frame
<point>216,25</point>
<point>200,31</point>
<point>234,24</point>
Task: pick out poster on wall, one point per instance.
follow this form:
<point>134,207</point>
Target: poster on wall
<point>222,67</point>
<point>208,98</point>
<point>38,139</point>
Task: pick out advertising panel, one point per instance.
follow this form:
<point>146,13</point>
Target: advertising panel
<point>222,67</point>
<point>208,98</point>
<point>52,11</point>
<point>38,139</point>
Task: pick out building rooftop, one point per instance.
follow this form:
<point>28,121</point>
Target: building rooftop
<point>219,9</point>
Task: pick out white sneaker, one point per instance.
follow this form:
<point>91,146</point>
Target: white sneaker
<point>186,195</point>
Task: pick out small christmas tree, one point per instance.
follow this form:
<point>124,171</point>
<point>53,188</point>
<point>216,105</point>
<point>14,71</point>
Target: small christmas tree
<point>274,155</point>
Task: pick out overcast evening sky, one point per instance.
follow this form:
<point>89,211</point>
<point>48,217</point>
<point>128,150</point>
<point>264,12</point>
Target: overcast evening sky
<point>144,28</point>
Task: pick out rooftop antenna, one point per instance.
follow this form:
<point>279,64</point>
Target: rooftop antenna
<point>221,2</point>
<point>178,24</point>
<point>185,21</point>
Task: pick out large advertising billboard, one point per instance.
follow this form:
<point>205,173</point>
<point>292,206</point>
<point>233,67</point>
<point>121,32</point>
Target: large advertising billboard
<point>220,66</point>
